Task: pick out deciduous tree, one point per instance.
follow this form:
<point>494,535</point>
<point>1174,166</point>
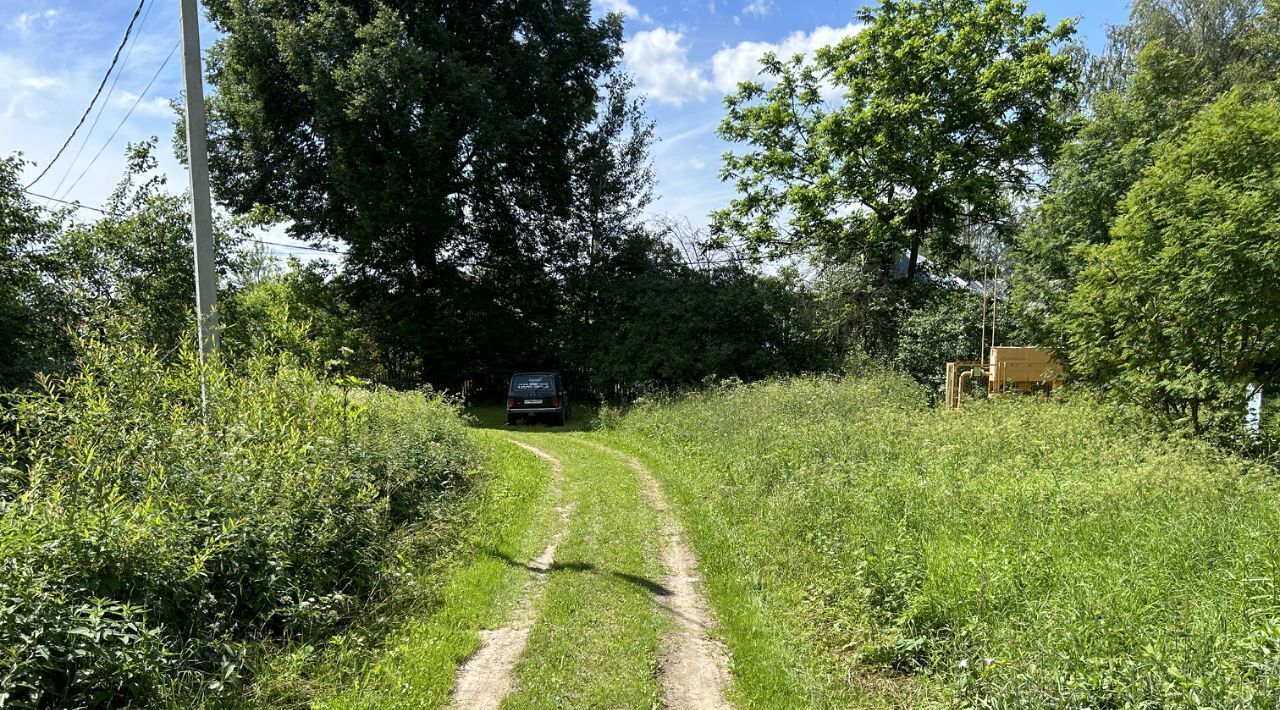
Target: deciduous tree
<point>1172,58</point>
<point>1181,308</point>
<point>932,117</point>
<point>439,141</point>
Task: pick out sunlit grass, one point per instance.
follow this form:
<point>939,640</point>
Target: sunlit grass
<point>508,518</point>
<point>866,549</point>
<point>595,642</point>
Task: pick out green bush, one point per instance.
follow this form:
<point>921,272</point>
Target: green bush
<point>145,546</point>
<point>1019,553</point>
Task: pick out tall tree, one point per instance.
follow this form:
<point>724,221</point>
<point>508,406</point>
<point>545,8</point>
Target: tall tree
<point>439,141</point>
<point>943,111</point>
<point>1171,59</point>
<point>1219,39</point>
<point>1180,309</point>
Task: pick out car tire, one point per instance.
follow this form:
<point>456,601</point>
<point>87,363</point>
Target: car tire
<point>561,418</point>
<point>511,420</point>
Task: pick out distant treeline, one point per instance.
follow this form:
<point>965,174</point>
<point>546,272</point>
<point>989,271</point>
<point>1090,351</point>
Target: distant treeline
<point>486,174</point>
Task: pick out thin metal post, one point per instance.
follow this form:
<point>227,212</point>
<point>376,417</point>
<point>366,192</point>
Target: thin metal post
<point>995,303</point>
<point>982,340</point>
<point>201,206</point>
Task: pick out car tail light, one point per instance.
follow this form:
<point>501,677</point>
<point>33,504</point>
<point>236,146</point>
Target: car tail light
<point>555,401</point>
<point>511,401</point>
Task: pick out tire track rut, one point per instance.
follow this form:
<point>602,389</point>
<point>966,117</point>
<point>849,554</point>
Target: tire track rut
<point>693,667</point>
<point>487,677</point>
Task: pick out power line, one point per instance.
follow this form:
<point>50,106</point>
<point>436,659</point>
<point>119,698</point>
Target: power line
<point>103,106</point>
<point>299,246</point>
<point>114,214</point>
<point>67,202</point>
<point>128,30</point>
<point>324,250</point>
<point>124,120</point>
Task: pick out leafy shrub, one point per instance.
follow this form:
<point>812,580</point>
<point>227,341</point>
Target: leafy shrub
<point>144,544</point>
<point>946,327</point>
<point>1018,553</point>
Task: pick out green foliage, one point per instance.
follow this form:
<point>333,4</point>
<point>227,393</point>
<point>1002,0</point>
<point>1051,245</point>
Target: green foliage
<point>469,156</point>
<point>134,265</point>
<point>29,306</point>
<point>946,328</point>
<point>1181,309</point>
<point>61,278</point>
<point>649,321</point>
<point>944,108</point>
<point>1089,181</point>
<point>1224,42</point>
<point>416,646</point>
<point>147,545</point>
<point>305,312</point>
<point>1170,60</point>
<point>1024,553</point>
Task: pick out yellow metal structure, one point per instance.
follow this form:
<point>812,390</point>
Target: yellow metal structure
<point>1025,369</point>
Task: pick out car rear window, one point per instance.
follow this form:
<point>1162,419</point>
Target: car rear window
<point>533,384</point>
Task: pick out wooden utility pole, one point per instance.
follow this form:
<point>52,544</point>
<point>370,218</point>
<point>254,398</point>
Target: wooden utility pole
<point>201,204</point>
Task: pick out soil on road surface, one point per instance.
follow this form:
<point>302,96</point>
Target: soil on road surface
<point>694,665</point>
<point>644,640</point>
<point>486,678</point>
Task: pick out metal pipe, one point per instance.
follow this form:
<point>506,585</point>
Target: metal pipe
<point>960,387</point>
<point>995,302</point>
<point>982,339</point>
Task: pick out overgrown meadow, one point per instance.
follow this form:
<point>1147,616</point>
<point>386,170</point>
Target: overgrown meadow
<point>148,549</point>
<point>1020,553</point>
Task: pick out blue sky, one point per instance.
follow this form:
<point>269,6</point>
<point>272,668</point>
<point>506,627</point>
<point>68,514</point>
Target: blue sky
<point>684,55</point>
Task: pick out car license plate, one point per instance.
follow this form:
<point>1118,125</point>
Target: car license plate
<point>533,401</point>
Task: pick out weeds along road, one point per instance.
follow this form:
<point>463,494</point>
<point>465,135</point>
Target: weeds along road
<point>583,594</point>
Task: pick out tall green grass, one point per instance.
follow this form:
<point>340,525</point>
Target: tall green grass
<point>1020,553</point>
<point>146,548</point>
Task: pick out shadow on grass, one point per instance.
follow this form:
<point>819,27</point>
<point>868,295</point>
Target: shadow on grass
<point>644,583</point>
<point>494,416</point>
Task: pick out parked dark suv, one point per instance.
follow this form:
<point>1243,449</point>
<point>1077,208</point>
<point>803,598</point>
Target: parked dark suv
<point>537,393</point>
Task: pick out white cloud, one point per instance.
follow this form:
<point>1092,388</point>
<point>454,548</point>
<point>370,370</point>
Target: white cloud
<point>154,106</point>
<point>27,21</point>
<point>39,83</point>
<point>759,8</point>
<point>18,73</point>
<point>697,163</point>
<point>739,63</point>
<point>624,8</point>
<point>19,101</point>
<point>660,64</point>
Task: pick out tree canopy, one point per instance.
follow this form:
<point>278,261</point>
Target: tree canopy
<point>1157,72</point>
<point>451,148</point>
<point>1181,308</point>
<point>942,112</point>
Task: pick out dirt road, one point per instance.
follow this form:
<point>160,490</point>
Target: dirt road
<point>612,613</point>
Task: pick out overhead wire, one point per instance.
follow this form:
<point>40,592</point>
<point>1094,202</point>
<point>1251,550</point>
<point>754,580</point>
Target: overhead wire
<point>324,250</point>
<point>109,213</point>
<point>103,106</point>
<point>67,202</point>
<point>114,59</point>
<point>124,120</point>
<point>299,246</point>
